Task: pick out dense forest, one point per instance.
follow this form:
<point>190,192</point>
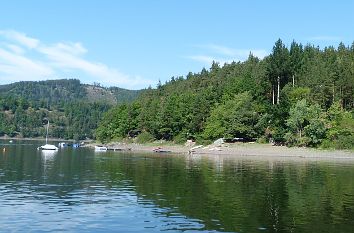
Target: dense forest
<point>298,95</point>
<point>73,109</point>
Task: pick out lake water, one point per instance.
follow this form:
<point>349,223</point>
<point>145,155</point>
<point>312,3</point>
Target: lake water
<point>78,190</point>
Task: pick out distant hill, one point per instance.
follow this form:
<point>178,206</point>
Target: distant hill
<point>58,92</point>
<point>73,108</point>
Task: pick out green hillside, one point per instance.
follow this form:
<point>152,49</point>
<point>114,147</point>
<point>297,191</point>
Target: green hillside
<point>58,92</point>
<point>301,95</point>
<point>73,108</point>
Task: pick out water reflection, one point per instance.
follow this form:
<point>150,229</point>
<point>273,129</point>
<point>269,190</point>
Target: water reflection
<point>245,195</point>
<point>78,190</point>
<point>47,154</point>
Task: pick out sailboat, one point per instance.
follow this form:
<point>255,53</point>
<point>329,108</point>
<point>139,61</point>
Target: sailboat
<point>47,146</point>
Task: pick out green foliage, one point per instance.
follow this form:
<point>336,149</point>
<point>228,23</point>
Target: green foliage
<point>297,118</point>
<point>298,93</point>
<point>57,93</point>
<point>236,100</point>
<point>340,134</point>
<point>315,131</point>
<point>316,94</point>
<point>43,94</point>
<point>306,125</point>
<point>234,118</point>
<point>117,122</point>
<point>181,138</point>
<point>74,109</point>
<point>144,137</point>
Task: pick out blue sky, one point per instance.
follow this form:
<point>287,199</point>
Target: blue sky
<point>133,44</point>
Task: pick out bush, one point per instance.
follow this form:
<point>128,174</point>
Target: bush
<point>200,140</point>
<point>345,142</point>
<point>144,137</point>
<point>181,138</point>
<point>342,142</point>
<point>262,140</point>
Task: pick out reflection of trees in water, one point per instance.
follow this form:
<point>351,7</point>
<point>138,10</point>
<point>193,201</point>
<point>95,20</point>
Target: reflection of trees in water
<point>236,195</point>
<point>230,195</point>
<point>59,174</point>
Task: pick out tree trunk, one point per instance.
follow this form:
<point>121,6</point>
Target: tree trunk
<point>333,98</point>
<point>293,81</point>
<point>341,97</point>
<point>278,95</point>
<point>273,94</point>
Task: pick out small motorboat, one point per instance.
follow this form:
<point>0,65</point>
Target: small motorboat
<point>63,144</point>
<point>160,150</point>
<point>101,148</point>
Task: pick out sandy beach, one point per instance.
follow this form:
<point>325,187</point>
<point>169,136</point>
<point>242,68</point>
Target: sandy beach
<point>252,150</point>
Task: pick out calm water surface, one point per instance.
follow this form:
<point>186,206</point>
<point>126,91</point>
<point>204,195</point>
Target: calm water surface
<point>77,190</point>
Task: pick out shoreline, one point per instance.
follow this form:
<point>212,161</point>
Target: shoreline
<point>41,139</point>
<point>254,151</point>
<point>249,150</point>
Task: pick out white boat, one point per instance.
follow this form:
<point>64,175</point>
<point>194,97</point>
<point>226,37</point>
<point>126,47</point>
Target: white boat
<point>47,146</point>
<point>63,144</point>
<point>101,148</point>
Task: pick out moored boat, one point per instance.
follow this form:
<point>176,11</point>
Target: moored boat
<point>47,146</point>
<point>101,148</point>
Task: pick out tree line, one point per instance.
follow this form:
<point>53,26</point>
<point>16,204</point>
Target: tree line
<point>76,120</point>
<point>298,95</point>
<point>73,109</point>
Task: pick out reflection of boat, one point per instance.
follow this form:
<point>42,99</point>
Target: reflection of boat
<point>48,153</point>
<point>100,148</point>
<point>47,146</point>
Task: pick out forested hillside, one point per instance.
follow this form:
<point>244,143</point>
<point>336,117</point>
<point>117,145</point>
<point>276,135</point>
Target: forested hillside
<point>298,95</point>
<point>73,109</point>
<point>56,93</point>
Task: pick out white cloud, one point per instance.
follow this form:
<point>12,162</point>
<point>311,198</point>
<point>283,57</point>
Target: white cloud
<point>69,48</point>
<point>66,56</point>
<point>25,58</point>
<point>221,49</point>
<point>236,54</point>
<point>223,54</point>
<point>21,38</point>
<point>15,48</point>
<point>326,38</point>
<point>202,58</point>
<point>13,64</point>
<point>208,60</point>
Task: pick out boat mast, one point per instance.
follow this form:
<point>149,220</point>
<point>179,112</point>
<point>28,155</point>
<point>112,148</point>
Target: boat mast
<point>46,136</point>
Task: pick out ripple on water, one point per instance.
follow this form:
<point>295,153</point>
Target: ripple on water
<point>83,192</point>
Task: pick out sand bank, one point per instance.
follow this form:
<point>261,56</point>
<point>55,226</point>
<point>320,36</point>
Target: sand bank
<point>253,150</point>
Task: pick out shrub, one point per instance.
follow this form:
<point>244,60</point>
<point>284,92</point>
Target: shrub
<point>262,140</point>
<point>145,137</point>
<point>180,138</point>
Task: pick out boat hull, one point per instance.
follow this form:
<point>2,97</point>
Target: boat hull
<point>47,147</point>
<point>101,148</point>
